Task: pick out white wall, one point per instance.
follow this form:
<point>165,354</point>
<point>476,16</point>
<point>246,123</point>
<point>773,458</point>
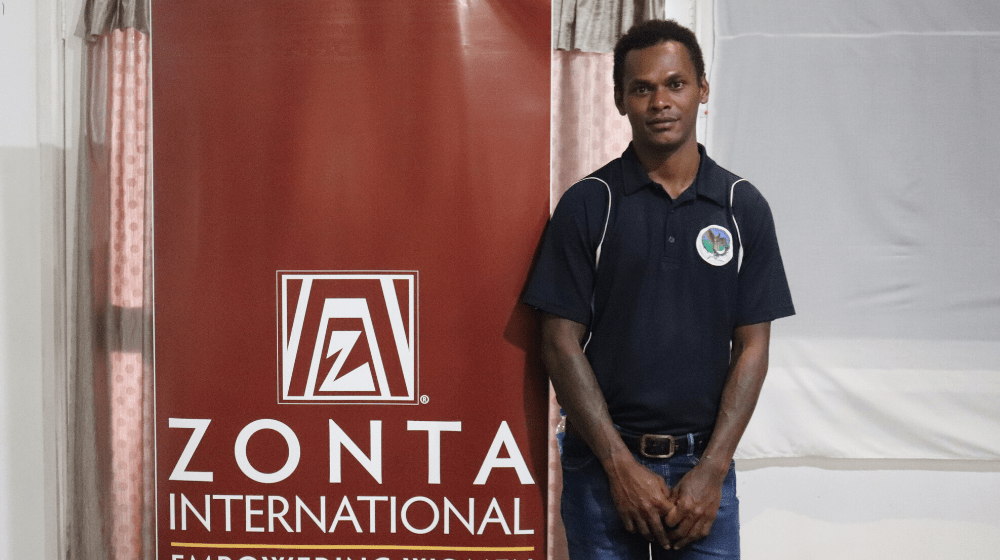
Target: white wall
<point>813,101</point>
<point>824,509</point>
<point>21,453</point>
<point>31,163</point>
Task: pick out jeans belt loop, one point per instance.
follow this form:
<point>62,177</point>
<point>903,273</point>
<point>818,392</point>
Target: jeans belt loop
<point>647,438</point>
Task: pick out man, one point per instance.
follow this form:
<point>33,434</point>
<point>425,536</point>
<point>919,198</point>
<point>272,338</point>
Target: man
<point>658,278</point>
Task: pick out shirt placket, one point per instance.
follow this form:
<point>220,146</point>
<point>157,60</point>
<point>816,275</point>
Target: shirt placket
<point>671,246</point>
<point>673,230</point>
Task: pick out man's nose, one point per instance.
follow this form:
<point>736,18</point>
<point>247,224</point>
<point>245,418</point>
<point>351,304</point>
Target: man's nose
<point>661,99</point>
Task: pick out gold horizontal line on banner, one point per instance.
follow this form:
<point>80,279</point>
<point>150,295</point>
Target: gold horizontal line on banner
<point>358,547</point>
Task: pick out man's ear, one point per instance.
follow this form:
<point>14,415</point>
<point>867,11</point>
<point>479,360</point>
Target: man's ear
<point>704,90</point>
<point>620,100</point>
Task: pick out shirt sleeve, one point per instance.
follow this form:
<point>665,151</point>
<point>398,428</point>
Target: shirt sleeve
<point>763,293</point>
<point>562,282</point>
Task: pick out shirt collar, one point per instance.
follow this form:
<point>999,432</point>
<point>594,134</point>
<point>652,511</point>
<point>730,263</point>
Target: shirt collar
<point>709,183</point>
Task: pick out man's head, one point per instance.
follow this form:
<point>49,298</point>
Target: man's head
<point>659,83</point>
<point>652,32</point>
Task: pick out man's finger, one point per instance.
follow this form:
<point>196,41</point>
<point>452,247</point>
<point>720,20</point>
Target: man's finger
<point>643,529</point>
<point>702,528</point>
<point>629,524</point>
<point>682,543</point>
<point>683,529</point>
<point>682,536</point>
<point>698,530</point>
<point>659,533</point>
<point>673,517</point>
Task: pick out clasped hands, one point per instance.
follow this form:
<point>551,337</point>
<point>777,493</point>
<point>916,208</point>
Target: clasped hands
<point>673,517</point>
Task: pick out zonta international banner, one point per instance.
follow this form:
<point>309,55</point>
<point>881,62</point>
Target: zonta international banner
<point>348,195</point>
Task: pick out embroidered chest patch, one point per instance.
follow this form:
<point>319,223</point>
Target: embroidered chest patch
<point>715,245</point>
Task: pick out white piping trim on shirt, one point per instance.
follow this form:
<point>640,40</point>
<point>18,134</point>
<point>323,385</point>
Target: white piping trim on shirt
<point>607,218</point>
<point>732,193</point>
<point>597,254</point>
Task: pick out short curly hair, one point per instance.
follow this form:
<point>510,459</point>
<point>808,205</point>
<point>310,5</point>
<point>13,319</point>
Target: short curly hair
<point>654,32</point>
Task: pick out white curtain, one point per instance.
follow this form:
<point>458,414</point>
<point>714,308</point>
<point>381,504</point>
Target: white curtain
<point>871,128</point>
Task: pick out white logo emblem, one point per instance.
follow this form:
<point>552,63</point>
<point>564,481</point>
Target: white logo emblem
<point>347,337</point>
<point>715,245</point>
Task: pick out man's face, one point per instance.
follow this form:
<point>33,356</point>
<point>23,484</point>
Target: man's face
<point>660,94</point>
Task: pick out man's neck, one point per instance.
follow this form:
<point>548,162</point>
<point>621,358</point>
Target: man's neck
<point>674,170</point>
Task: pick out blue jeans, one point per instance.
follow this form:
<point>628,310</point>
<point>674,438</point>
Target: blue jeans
<point>595,531</point>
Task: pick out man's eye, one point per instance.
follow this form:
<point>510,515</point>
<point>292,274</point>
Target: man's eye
<point>641,89</point>
<point>676,85</point>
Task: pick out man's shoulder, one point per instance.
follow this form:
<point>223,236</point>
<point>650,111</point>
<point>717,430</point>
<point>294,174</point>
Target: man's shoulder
<point>716,174</point>
<point>611,171</point>
<point>749,208</point>
<point>606,177</point>
<point>740,193</point>
<point>596,187</point>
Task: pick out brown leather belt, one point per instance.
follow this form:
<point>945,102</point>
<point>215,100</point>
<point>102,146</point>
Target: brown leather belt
<point>658,446</point>
<point>663,446</point>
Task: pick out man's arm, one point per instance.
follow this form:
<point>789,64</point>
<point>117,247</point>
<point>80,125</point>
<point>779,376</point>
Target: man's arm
<point>641,497</point>
<point>699,492</point>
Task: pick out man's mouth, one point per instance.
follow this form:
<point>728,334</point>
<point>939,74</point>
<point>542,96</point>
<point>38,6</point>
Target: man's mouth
<point>661,122</point>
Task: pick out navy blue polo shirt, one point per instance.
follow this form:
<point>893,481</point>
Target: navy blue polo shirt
<point>673,279</point>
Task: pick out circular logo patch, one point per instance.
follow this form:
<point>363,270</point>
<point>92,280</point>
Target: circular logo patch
<point>715,245</point>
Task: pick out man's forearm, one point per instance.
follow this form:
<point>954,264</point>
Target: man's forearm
<point>739,395</point>
<point>576,387</point>
<point>700,490</point>
<point>641,497</point>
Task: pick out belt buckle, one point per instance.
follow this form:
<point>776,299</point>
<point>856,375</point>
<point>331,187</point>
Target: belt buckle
<point>646,438</point>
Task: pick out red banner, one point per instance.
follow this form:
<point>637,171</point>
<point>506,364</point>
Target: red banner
<point>347,198</point>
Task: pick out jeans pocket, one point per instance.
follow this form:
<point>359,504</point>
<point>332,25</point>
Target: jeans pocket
<point>576,454</point>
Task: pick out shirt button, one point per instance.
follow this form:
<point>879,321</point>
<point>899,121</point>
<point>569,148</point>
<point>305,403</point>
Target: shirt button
<point>670,239</point>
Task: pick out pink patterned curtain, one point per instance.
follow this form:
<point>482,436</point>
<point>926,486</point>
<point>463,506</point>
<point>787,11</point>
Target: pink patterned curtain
<point>109,440</point>
<point>587,130</point>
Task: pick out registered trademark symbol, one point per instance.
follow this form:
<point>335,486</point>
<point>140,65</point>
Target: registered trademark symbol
<point>424,399</point>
